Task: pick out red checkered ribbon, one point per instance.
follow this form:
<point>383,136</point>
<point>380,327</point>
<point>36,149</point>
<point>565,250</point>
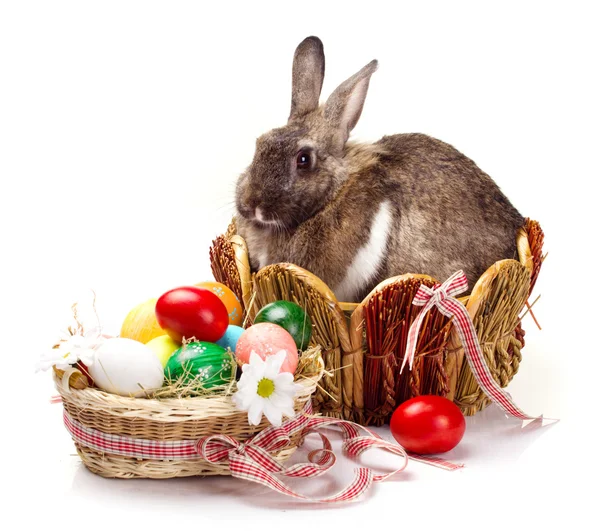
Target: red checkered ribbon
<point>250,461</point>
<point>253,461</point>
<point>442,297</point>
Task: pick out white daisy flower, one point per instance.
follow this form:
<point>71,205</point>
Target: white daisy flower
<point>71,350</point>
<point>262,389</point>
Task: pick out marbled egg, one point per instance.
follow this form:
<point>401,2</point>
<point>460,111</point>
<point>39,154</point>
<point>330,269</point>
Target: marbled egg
<point>200,361</point>
<point>126,367</point>
<point>267,339</point>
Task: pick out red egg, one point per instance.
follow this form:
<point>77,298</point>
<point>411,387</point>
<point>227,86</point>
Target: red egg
<point>191,311</point>
<point>267,339</point>
<point>428,425</point>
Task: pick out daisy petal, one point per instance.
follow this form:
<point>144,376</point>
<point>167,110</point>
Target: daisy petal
<point>272,413</point>
<point>289,389</point>
<point>255,360</point>
<point>281,400</point>
<point>242,399</point>
<point>274,363</point>
<point>246,377</point>
<point>257,365</point>
<point>246,402</point>
<point>249,389</point>
<point>255,412</point>
<point>284,378</point>
<point>289,412</point>
<point>238,401</point>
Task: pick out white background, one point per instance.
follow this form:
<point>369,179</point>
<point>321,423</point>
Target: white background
<point>123,126</point>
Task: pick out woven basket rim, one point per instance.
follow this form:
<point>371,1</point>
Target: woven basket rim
<point>167,409</point>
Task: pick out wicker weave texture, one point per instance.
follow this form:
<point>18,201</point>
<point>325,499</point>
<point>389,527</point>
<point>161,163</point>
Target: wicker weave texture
<point>329,326</point>
<point>166,420</point>
<point>363,350</point>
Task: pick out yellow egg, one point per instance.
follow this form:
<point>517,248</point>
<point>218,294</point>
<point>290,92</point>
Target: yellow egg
<point>228,298</point>
<point>141,324</point>
<point>163,347</point>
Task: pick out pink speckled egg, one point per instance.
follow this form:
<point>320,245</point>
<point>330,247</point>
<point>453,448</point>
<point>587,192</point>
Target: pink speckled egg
<point>267,339</point>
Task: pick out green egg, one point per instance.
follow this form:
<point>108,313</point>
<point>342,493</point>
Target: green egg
<point>206,363</point>
<point>289,316</point>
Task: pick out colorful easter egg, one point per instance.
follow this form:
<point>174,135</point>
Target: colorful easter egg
<point>428,424</point>
<point>267,339</point>
<point>192,312</point>
<point>163,347</point>
<point>231,337</point>
<point>228,298</point>
<point>141,324</point>
<point>126,367</point>
<point>200,361</point>
<point>290,316</point>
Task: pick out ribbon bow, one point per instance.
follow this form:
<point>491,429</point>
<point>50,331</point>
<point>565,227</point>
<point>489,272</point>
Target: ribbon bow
<point>442,297</point>
<point>253,461</point>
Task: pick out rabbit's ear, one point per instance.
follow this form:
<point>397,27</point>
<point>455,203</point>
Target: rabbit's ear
<point>344,106</point>
<point>308,72</point>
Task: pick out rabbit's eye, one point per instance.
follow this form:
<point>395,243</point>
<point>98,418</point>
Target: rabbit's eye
<point>303,160</point>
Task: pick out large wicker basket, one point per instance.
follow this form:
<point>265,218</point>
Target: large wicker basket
<point>363,344</point>
<point>175,419</point>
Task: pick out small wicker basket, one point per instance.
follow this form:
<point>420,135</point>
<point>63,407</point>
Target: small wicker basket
<point>172,419</point>
<point>364,344</point>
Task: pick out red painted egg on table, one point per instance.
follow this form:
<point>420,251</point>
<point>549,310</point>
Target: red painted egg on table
<point>428,425</point>
<point>267,339</point>
<point>191,311</point>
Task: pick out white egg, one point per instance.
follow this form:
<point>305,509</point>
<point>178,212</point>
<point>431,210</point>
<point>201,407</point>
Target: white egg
<point>126,367</point>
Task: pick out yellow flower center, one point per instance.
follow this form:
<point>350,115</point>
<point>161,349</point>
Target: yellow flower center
<point>266,388</point>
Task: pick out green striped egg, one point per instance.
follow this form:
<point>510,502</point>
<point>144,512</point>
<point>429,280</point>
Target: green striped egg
<point>206,363</point>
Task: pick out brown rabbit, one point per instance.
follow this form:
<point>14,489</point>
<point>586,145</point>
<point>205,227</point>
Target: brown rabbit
<point>356,214</point>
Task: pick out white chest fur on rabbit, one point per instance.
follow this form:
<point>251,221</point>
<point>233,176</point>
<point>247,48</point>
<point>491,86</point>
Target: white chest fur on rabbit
<point>361,263</point>
<point>358,273</point>
<point>356,214</point>
<point>369,258</point>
